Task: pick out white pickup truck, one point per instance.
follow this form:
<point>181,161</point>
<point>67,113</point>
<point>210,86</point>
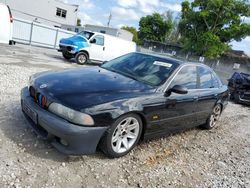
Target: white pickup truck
<point>88,45</point>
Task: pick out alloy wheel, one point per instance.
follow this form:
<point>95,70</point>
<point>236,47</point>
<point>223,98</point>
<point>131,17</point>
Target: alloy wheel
<point>215,115</point>
<point>125,135</point>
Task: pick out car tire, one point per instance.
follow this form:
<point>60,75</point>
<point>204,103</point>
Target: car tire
<point>81,58</point>
<point>122,136</point>
<point>213,118</point>
<point>67,56</point>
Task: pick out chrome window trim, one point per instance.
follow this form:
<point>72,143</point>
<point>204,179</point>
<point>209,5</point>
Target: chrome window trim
<point>185,65</point>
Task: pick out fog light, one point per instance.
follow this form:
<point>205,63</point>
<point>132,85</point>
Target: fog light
<point>64,142</point>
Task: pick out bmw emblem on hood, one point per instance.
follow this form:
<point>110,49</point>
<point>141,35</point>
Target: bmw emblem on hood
<point>43,86</point>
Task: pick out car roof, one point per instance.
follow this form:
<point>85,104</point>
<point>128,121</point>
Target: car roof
<point>178,61</point>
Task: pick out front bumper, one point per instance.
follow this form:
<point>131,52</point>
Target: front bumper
<point>64,136</point>
<point>65,48</point>
<point>243,96</point>
<point>244,99</point>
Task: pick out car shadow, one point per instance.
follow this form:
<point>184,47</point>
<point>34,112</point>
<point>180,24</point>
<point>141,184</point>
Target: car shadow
<point>15,127</point>
<point>72,61</point>
<point>58,57</point>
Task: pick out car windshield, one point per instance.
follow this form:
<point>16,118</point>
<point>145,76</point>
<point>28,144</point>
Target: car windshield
<point>86,34</point>
<point>149,69</point>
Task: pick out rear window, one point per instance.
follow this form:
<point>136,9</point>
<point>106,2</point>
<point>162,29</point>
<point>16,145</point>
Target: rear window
<point>205,76</point>
<point>208,79</point>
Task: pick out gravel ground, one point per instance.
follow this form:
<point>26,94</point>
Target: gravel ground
<point>194,158</point>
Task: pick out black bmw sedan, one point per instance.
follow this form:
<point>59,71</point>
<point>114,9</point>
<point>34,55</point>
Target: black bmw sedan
<point>128,99</point>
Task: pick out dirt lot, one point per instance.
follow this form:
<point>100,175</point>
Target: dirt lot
<point>195,158</point>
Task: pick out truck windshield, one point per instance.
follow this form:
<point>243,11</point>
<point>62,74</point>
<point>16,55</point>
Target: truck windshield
<point>148,69</point>
<point>86,34</point>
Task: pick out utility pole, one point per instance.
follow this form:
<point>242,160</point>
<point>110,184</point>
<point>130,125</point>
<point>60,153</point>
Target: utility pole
<point>110,17</point>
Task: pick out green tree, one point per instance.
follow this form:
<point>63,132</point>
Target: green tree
<point>133,31</point>
<point>173,35</point>
<point>78,23</point>
<point>208,26</point>
<point>154,27</point>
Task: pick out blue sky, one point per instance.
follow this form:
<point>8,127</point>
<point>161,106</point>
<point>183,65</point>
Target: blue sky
<point>129,12</point>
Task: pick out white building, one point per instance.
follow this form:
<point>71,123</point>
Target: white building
<point>101,29</point>
<point>48,12</point>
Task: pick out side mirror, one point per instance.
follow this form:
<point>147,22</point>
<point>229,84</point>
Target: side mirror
<point>104,62</point>
<point>177,89</point>
<point>93,41</point>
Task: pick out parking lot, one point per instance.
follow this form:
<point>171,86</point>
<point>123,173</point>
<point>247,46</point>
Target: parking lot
<point>195,158</point>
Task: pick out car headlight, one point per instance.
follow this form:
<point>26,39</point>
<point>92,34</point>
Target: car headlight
<point>71,115</point>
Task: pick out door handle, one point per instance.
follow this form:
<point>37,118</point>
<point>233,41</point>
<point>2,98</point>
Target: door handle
<point>103,48</point>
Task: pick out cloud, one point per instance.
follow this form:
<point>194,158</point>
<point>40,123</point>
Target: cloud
<point>243,45</point>
<point>86,19</point>
<point>148,6</point>
<point>120,26</point>
<point>172,6</point>
<point>124,14</point>
<point>145,6</point>
<point>123,11</point>
<point>127,3</point>
<point>246,19</point>
<point>87,4</point>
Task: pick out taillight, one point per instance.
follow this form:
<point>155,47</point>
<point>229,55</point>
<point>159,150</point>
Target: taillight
<point>11,18</point>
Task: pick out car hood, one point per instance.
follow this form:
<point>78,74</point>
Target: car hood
<point>75,40</point>
<point>85,87</point>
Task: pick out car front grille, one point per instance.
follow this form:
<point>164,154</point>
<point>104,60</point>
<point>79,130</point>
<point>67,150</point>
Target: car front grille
<point>65,48</point>
<point>40,99</point>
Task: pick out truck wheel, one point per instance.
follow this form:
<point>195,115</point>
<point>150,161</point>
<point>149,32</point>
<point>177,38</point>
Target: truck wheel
<point>122,136</point>
<point>81,58</point>
<point>66,56</point>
